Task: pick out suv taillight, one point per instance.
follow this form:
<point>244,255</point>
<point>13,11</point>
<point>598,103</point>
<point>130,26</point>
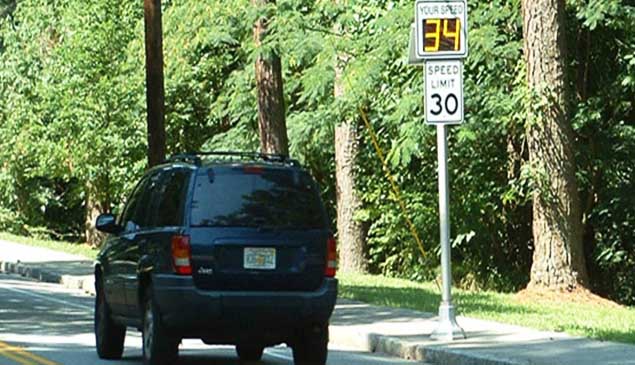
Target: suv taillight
<point>331,257</point>
<point>182,255</point>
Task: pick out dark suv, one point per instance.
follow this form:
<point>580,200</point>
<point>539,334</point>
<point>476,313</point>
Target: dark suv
<point>230,248</point>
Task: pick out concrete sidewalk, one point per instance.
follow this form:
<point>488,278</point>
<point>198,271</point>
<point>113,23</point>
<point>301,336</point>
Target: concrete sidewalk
<point>397,332</point>
<point>74,272</point>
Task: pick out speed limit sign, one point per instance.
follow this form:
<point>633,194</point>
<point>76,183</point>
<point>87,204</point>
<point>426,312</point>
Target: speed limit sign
<point>444,91</point>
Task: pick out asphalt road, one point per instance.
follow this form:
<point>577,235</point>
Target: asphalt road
<point>44,324</point>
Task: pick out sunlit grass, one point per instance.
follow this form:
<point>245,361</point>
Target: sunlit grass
<point>601,321</point>
<point>67,247</point>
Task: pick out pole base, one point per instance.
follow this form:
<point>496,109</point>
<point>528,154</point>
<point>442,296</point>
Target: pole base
<point>448,329</point>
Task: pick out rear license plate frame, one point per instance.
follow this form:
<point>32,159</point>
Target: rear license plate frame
<point>259,258</point>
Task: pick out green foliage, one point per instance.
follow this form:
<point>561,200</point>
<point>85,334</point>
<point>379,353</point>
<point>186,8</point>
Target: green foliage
<point>604,122</point>
<point>72,120</point>
<point>67,125</point>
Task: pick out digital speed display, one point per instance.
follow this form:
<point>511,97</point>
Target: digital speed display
<point>442,34</point>
<point>441,29</point>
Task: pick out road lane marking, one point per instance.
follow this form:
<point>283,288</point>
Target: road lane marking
<point>43,297</point>
<point>5,347</point>
<point>279,356</point>
<point>8,352</point>
<point>19,360</point>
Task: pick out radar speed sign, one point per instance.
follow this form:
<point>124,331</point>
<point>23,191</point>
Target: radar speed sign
<point>441,28</point>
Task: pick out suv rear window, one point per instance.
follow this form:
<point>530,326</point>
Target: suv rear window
<point>257,197</point>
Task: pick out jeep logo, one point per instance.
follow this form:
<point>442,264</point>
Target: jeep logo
<point>205,271</point>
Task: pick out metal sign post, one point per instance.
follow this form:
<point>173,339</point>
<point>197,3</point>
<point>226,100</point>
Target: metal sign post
<point>448,329</point>
<point>440,41</point>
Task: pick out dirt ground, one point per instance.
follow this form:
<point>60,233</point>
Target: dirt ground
<point>579,296</point>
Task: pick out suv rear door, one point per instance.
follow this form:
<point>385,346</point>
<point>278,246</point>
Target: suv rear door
<point>161,218</point>
<point>133,238</point>
<point>257,228</point>
<point>115,269</point>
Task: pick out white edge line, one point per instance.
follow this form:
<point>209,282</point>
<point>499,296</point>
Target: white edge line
<point>279,356</point>
<point>39,296</point>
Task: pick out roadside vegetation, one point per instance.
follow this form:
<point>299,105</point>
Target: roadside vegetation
<point>73,135</point>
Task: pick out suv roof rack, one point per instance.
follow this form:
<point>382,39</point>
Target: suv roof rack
<point>195,157</point>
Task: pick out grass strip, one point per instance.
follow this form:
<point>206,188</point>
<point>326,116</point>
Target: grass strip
<point>595,320</point>
<point>67,247</point>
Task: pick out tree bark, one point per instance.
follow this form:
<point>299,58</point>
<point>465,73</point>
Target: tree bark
<point>558,261</point>
<point>155,89</point>
<point>271,111</point>
<point>351,232</point>
<point>94,207</point>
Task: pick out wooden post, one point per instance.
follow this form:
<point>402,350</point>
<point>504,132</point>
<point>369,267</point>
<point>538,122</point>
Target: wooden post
<point>155,90</point>
<point>271,110</point>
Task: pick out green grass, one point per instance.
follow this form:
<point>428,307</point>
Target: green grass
<point>72,248</point>
<point>592,320</point>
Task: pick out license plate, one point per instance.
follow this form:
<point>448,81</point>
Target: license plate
<point>259,258</point>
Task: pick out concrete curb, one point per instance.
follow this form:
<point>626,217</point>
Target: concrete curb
<point>85,283</point>
<point>396,347</point>
<point>354,338</point>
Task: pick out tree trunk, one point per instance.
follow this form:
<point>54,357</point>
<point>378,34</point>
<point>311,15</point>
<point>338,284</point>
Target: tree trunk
<point>558,261</point>
<point>351,233</point>
<point>155,89</point>
<point>271,112</point>
<point>94,207</point>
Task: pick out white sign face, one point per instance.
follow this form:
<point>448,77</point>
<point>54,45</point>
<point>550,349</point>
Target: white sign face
<point>444,91</point>
<point>441,29</point>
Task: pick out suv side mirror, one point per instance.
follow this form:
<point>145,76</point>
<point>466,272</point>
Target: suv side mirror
<point>108,223</point>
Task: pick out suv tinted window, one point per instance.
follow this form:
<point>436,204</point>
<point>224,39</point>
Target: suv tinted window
<point>133,203</point>
<point>255,197</point>
<point>142,213</point>
<point>171,198</point>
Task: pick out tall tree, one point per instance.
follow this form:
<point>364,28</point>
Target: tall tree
<point>271,111</point>
<point>558,261</point>
<point>155,88</point>
<point>351,232</point>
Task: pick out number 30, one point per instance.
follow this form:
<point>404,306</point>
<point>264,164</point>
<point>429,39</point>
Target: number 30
<point>451,104</point>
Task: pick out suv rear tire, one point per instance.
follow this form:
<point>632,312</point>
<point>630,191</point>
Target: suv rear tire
<point>249,352</point>
<point>109,336</point>
<point>159,347</point>
<point>311,347</point>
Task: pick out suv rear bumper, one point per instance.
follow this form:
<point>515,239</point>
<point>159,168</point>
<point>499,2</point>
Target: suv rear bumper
<point>192,311</point>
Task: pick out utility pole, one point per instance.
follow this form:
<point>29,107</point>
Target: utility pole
<point>269,84</point>
<point>155,90</point>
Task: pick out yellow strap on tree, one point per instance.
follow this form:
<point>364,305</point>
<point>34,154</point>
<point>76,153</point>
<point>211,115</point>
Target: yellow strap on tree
<point>391,179</point>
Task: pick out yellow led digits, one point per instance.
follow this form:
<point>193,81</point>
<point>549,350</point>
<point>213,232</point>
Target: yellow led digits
<point>442,34</point>
<point>432,31</point>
